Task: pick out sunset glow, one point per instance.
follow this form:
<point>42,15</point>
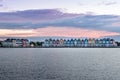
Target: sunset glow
<point>56,31</point>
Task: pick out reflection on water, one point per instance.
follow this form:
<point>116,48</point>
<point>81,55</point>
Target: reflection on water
<point>60,64</point>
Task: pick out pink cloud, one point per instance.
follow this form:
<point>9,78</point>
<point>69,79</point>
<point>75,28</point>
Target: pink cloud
<point>15,33</point>
<point>72,32</point>
<point>56,31</point>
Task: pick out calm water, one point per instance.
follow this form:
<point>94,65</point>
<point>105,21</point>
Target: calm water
<point>60,64</point>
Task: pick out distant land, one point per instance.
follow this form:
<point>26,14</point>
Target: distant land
<point>60,43</point>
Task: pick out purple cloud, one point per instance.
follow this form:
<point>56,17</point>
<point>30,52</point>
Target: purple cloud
<point>32,19</point>
<point>34,15</point>
<point>1,5</point>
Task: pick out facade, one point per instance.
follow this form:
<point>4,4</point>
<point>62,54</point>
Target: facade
<point>105,42</point>
<point>15,43</point>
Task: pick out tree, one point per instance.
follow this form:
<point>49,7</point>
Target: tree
<point>36,44</point>
<point>39,44</point>
<point>118,43</point>
<point>32,44</point>
<point>1,45</point>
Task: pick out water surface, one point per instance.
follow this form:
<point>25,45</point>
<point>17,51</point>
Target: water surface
<point>59,64</point>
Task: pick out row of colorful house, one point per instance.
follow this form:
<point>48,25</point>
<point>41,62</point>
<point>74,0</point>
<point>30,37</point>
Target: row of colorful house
<point>105,42</point>
<point>15,42</point>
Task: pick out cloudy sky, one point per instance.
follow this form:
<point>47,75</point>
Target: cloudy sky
<point>60,18</point>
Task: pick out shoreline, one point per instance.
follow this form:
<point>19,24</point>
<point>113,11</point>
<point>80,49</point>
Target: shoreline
<point>61,47</point>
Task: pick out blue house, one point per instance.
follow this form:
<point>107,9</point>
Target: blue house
<point>75,42</point>
<point>68,43</point>
<point>86,42</point>
<point>71,43</point>
<point>78,42</point>
<point>65,43</point>
<point>97,42</point>
<point>105,42</point>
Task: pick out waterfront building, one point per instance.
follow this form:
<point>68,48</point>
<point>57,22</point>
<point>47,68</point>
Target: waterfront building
<point>65,43</point>
<point>25,42</point>
<point>58,42</point>
<point>50,42</point>
<point>96,42</point>
<point>112,42</point>
<point>100,42</point>
<point>82,43</point>
<point>75,42</point>
<point>61,42</point>
<point>53,42</point>
<point>78,43</point>
<point>93,42</point>
<point>86,42</point>
<point>89,42</point>
<point>15,42</point>
<point>68,43</point>
<point>71,43</point>
<point>46,43</point>
<point>7,43</point>
<point>105,42</point>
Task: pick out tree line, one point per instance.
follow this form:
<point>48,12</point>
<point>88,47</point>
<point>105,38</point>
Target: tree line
<point>39,44</point>
<point>36,44</point>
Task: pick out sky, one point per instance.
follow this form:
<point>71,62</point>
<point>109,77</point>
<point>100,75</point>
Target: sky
<point>71,6</point>
<point>60,18</point>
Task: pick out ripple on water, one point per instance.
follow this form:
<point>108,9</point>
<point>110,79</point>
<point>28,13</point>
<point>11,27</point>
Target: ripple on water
<point>60,64</point>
